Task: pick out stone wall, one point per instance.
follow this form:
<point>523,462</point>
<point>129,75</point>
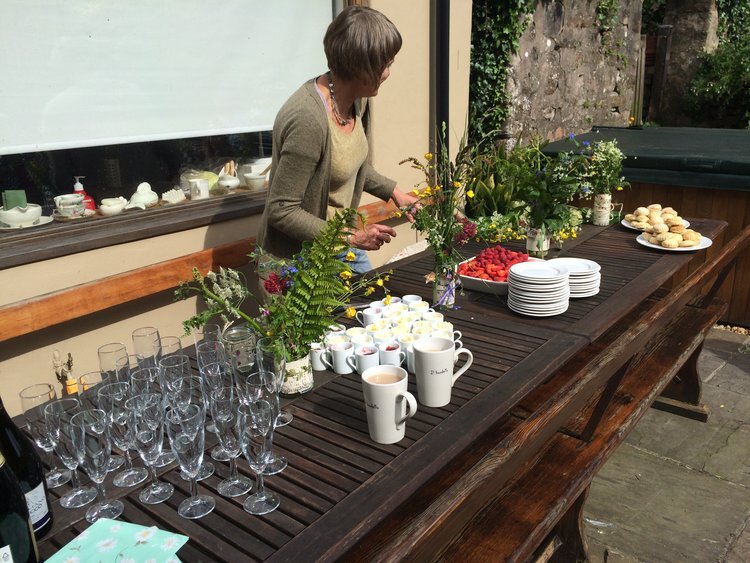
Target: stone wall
<point>568,76</point>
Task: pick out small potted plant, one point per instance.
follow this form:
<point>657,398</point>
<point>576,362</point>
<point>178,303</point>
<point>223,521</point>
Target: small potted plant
<point>602,175</point>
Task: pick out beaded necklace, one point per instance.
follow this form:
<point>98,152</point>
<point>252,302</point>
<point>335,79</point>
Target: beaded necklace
<point>340,119</point>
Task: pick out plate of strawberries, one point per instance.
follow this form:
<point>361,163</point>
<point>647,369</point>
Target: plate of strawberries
<point>488,270</point>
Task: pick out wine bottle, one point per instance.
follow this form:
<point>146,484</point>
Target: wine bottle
<point>17,543</point>
<point>23,460</point>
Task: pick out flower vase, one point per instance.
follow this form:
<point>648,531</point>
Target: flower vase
<point>444,289</point>
<point>537,242</point>
<point>298,378</point>
<point>602,210</point>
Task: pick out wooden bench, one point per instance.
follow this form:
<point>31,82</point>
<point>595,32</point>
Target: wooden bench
<point>497,511</point>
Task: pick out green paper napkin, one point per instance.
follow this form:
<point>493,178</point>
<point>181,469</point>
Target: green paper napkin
<point>121,542</point>
<point>14,198</point>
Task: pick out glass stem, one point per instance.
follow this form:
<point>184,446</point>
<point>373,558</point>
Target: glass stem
<point>193,487</point>
<point>101,492</point>
<point>260,491</point>
<point>128,461</point>
<point>154,478</point>
<point>74,479</point>
<point>233,476</point>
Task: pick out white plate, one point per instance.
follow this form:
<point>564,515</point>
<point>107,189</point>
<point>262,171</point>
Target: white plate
<point>629,225</point>
<point>523,308</point>
<point>539,314</point>
<point>704,243</point>
<point>487,286</point>
<point>577,266</point>
<point>43,220</point>
<point>577,295</point>
<point>538,272</point>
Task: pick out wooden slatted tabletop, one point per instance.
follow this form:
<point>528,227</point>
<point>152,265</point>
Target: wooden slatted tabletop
<point>339,485</point>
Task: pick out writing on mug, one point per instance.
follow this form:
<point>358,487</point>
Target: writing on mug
<point>439,371</point>
<point>372,406</point>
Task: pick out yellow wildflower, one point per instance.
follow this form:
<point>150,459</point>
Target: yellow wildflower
<point>428,156</point>
<point>415,192</point>
<point>427,191</point>
<point>397,214</point>
<point>350,256</point>
<point>619,188</point>
<point>345,275</point>
<point>351,312</point>
<point>457,184</point>
<point>470,194</point>
<point>387,277</point>
<point>379,282</point>
<point>388,299</point>
<point>369,291</point>
<point>631,120</point>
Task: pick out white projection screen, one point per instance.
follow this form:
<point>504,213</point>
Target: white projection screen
<point>81,73</point>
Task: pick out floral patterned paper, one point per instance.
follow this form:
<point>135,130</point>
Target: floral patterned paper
<point>121,542</point>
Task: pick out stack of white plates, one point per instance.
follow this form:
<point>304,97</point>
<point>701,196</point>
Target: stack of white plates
<point>585,276</point>
<point>538,289</point>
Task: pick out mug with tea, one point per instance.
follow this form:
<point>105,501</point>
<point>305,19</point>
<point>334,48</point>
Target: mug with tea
<point>316,356</point>
<point>387,402</point>
<point>433,365</point>
<point>369,315</point>
<point>364,357</point>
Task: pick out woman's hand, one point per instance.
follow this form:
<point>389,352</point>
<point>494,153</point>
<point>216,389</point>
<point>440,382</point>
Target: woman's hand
<point>405,200</point>
<point>372,237</point>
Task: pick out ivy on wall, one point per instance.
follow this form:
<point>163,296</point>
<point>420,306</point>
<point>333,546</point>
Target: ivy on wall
<point>495,31</point>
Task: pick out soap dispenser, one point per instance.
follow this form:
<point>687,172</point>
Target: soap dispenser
<point>87,199</point>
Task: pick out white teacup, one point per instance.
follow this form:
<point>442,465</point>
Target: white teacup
<point>454,335</point>
<point>316,356</point>
<point>364,357</point>
<point>361,340</point>
<point>386,402</point>
<point>420,306</point>
<point>382,335</point>
<point>432,317</point>
<point>335,357</point>
<point>397,306</point>
<point>433,365</point>
<point>391,353</point>
<point>369,315</point>
<point>407,345</point>
<point>409,299</point>
<point>356,331</point>
<point>335,338</point>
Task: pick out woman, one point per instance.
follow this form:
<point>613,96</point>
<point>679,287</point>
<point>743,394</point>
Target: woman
<point>320,144</point>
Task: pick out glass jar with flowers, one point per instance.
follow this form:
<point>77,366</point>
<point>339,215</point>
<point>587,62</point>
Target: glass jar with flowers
<point>438,216</point>
<point>602,175</point>
<point>308,293</point>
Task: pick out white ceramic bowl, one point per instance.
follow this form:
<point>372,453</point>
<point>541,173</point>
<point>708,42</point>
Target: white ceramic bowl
<point>112,205</point>
<point>228,182</point>
<point>21,217</point>
<point>255,181</point>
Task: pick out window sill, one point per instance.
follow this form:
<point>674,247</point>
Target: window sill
<point>58,239</point>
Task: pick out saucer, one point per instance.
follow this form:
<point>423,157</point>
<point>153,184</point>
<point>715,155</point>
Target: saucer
<point>43,220</point>
<point>86,214</point>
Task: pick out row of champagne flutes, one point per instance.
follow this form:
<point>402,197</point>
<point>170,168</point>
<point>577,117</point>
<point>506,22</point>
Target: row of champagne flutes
<point>238,385</point>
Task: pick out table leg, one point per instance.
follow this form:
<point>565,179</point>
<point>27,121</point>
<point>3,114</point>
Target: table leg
<point>683,394</point>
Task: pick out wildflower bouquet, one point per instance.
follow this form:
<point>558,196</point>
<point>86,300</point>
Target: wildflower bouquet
<point>437,215</point>
<point>603,170</point>
<point>307,293</point>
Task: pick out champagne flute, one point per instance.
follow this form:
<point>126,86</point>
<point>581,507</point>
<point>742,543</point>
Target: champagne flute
<point>113,361</point>
<point>88,393</point>
<point>169,346</point>
<point>225,404</point>
<point>145,380</point>
<point>215,376</point>
<point>146,346</point>
<point>187,437</point>
<point>210,352</point>
<point>209,332</point>
<point>57,416</point>
<point>260,385</point>
<point>147,420</point>
<point>256,421</point>
<point>112,397</point>
<point>33,399</point>
<point>91,440</point>
<point>271,356</point>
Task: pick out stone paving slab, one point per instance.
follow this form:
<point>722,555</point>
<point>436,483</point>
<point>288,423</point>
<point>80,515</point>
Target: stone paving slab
<point>663,511</point>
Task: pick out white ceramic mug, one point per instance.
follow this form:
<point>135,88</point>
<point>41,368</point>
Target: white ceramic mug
<point>361,339</point>
<point>387,402</point>
<point>355,331</point>
<point>335,338</point>
<point>432,317</point>
<point>316,356</point>
<point>383,335</point>
<point>411,298</point>
<point>407,345</point>
<point>420,306</point>
<point>335,357</point>
<point>391,353</point>
<point>364,357</point>
<point>433,365</point>
<point>369,315</point>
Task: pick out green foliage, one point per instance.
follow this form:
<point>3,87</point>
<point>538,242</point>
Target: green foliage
<point>607,14</point>
<point>496,30</point>
<point>721,86</point>
<point>652,16</point>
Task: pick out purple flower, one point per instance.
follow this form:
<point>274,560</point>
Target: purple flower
<point>586,143</point>
<point>571,136</point>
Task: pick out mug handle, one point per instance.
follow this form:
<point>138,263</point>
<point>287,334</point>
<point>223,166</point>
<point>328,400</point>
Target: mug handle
<point>412,410</point>
<point>327,359</point>
<point>402,358</point>
<point>457,335</point>
<point>351,361</point>
<point>466,366</point>
<point>360,316</point>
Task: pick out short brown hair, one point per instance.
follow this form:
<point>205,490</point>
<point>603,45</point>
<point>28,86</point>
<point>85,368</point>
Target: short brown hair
<point>361,43</point>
